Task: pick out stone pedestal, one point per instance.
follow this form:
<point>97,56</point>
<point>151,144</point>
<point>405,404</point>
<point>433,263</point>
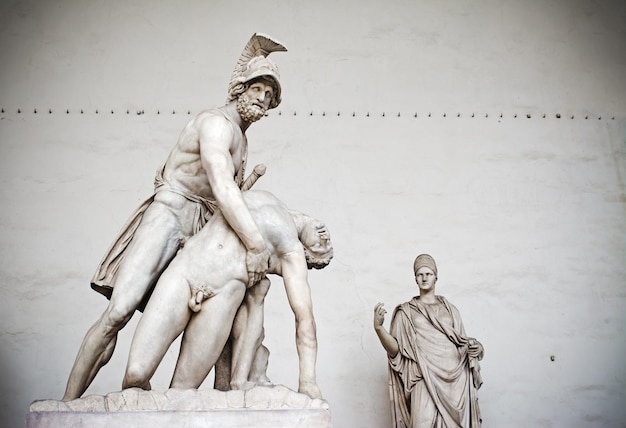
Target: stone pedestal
<point>260,407</point>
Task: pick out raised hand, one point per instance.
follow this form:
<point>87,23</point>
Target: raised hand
<point>379,314</point>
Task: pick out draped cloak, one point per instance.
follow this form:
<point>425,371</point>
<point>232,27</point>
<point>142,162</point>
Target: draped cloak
<point>432,379</point>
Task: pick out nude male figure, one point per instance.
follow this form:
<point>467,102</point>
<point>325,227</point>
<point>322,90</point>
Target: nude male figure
<point>203,171</point>
<point>210,271</point>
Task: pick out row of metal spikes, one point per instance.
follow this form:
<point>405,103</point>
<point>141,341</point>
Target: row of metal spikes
<point>472,115</point>
<point>353,114</point>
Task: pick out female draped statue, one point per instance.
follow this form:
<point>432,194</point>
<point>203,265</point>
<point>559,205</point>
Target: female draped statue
<point>433,366</point>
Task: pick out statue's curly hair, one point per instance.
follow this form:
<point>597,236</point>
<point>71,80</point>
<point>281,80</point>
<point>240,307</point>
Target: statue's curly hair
<point>314,261</point>
<point>240,88</point>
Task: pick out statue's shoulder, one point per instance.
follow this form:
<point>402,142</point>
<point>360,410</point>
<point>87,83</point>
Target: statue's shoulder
<point>213,115</point>
<point>453,309</point>
<point>215,122</point>
<point>406,306</point>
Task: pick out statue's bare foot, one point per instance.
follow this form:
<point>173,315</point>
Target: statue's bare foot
<point>311,389</point>
<point>262,380</point>
<point>146,386</point>
<point>265,382</point>
<point>242,385</point>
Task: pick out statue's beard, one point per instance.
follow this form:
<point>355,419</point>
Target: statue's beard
<point>249,111</point>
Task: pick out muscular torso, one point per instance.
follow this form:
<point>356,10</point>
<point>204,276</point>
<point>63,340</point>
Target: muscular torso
<point>184,166</point>
<point>215,255</point>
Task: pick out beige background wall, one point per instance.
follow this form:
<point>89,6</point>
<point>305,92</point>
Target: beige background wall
<point>408,126</point>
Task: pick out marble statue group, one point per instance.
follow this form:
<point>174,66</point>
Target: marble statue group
<point>197,252</point>
<point>195,257</point>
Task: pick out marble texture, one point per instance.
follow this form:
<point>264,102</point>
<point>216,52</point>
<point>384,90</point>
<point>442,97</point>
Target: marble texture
<point>275,406</point>
<point>136,399</point>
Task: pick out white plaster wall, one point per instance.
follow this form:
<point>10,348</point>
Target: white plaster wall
<point>525,215</point>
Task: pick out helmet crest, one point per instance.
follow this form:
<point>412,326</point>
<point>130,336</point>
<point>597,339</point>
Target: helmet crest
<point>253,63</point>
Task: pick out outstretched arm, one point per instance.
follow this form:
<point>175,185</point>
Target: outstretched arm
<point>387,340</point>
<point>216,139</point>
<point>295,277</point>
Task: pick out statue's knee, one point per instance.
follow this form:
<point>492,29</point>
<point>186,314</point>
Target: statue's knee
<point>135,377</point>
<point>116,317</point>
<point>255,296</point>
<point>264,285</point>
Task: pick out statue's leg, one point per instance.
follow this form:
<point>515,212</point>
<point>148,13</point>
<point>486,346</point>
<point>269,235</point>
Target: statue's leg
<point>222,368</point>
<point>206,335</point>
<point>258,372</point>
<point>248,334</point>
<point>163,319</point>
<point>153,245</point>
<point>94,352</point>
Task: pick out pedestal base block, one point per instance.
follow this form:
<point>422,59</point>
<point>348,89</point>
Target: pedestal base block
<point>305,418</point>
<point>260,407</point>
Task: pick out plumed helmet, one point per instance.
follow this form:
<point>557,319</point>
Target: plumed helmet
<point>253,64</point>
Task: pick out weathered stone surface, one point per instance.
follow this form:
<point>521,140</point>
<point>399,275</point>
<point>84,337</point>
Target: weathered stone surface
<point>261,407</point>
<point>182,399</point>
<point>135,399</point>
<point>213,399</point>
<point>235,399</point>
<point>242,418</point>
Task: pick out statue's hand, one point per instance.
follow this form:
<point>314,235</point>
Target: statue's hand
<point>475,348</point>
<point>310,388</point>
<point>379,314</point>
<point>257,264</point>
